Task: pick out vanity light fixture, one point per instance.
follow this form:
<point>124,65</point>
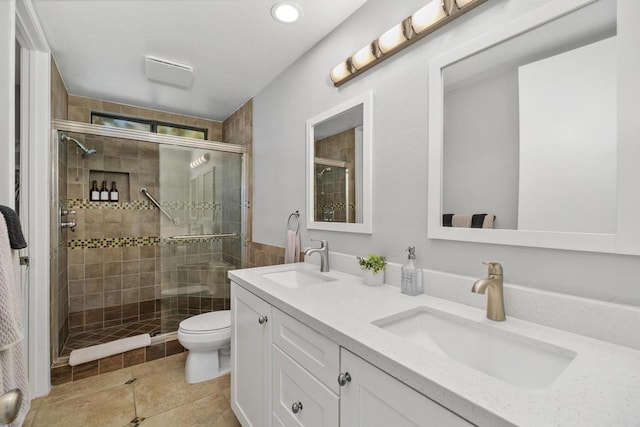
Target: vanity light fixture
<point>286,12</point>
<point>200,161</point>
<point>434,15</point>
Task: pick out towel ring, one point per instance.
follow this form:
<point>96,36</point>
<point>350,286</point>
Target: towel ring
<point>296,216</point>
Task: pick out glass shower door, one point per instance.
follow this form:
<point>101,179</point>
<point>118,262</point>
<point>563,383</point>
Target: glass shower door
<point>201,230</point>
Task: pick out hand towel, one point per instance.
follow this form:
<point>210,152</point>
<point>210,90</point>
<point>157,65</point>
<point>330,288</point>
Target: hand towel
<point>13,373</point>
<point>488,221</point>
<point>292,249</point>
<point>468,220</point>
<point>16,238</point>
<point>462,220</point>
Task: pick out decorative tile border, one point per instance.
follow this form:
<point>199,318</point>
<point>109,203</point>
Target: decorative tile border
<point>144,205</point>
<point>340,206</point>
<point>127,242</point>
<point>86,204</point>
<point>112,242</point>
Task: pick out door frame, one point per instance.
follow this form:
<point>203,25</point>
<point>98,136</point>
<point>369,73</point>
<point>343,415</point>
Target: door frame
<point>35,123</point>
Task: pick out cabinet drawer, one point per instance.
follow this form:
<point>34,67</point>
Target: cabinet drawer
<point>294,385</point>
<point>313,351</point>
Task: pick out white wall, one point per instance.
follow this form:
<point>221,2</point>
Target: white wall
<point>480,171</point>
<point>576,87</point>
<point>400,137</point>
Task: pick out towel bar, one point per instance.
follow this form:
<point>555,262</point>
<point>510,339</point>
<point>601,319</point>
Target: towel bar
<point>296,216</point>
<point>157,204</point>
<point>201,236</point>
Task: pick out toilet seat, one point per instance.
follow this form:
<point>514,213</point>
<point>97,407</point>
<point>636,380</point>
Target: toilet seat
<point>207,323</point>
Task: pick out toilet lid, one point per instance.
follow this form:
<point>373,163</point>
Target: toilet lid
<point>206,322</point>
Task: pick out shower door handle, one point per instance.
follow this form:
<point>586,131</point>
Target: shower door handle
<point>157,204</point>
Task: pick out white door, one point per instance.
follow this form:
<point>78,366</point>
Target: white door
<point>250,358</point>
<point>375,399</point>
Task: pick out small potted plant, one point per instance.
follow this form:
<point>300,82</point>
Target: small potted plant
<point>373,267</point>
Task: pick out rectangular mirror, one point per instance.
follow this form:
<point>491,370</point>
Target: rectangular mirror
<point>339,167</point>
<point>524,131</point>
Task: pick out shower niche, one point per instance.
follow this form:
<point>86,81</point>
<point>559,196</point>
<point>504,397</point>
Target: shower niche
<point>122,180</point>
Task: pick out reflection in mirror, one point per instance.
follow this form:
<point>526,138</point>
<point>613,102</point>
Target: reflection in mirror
<point>529,127</point>
<point>338,177</point>
<point>337,140</point>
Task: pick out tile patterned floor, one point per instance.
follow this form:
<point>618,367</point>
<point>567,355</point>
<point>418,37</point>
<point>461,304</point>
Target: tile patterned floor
<point>146,395</point>
<point>100,336</point>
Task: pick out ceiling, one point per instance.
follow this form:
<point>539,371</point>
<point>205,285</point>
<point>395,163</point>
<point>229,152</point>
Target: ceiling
<point>234,46</point>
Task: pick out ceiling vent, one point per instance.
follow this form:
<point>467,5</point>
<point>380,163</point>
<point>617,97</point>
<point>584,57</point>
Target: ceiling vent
<point>164,71</point>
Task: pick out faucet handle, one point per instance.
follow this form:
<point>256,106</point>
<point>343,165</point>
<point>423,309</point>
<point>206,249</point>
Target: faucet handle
<point>494,268</point>
<point>323,243</point>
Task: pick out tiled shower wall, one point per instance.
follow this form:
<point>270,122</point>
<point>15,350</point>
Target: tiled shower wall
<point>330,189</point>
<point>121,269</point>
<point>113,252</point>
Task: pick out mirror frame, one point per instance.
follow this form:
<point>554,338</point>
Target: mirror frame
<point>626,240</point>
<point>366,226</point>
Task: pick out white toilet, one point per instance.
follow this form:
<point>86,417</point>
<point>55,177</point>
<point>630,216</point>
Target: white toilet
<point>207,336</point>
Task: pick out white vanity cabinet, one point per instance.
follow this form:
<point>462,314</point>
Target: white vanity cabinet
<point>250,358</point>
<point>285,373</point>
<point>374,398</point>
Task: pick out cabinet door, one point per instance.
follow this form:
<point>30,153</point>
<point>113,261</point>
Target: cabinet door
<point>250,358</point>
<point>312,350</point>
<point>299,399</point>
<point>374,398</point>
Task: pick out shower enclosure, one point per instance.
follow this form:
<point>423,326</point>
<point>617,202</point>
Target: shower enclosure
<point>158,254</point>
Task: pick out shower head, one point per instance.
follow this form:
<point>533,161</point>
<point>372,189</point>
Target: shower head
<point>85,151</point>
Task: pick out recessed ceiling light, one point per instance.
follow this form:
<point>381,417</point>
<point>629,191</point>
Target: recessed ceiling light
<point>285,12</point>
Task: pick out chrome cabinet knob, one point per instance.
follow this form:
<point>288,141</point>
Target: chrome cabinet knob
<point>263,319</point>
<point>343,379</point>
<point>296,407</point>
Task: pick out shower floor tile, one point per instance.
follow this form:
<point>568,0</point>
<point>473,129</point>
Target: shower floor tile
<point>100,336</point>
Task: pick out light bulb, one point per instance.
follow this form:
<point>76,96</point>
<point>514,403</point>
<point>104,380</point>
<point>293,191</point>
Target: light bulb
<point>363,57</point>
<point>392,38</point>
<point>340,72</point>
<point>427,16</point>
<point>286,13</point>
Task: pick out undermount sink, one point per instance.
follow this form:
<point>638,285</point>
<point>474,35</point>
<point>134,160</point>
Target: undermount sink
<point>515,359</point>
<point>297,278</point>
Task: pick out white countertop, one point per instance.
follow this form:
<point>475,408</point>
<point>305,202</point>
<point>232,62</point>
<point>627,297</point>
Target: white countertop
<point>601,386</point>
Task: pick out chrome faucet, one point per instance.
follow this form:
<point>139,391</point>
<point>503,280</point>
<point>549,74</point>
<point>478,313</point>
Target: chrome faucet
<point>323,250</point>
<point>495,298</point>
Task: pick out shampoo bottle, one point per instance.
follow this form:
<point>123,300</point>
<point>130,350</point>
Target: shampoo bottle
<point>411,281</point>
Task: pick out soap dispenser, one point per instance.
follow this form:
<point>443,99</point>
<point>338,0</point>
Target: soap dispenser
<point>411,282</point>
